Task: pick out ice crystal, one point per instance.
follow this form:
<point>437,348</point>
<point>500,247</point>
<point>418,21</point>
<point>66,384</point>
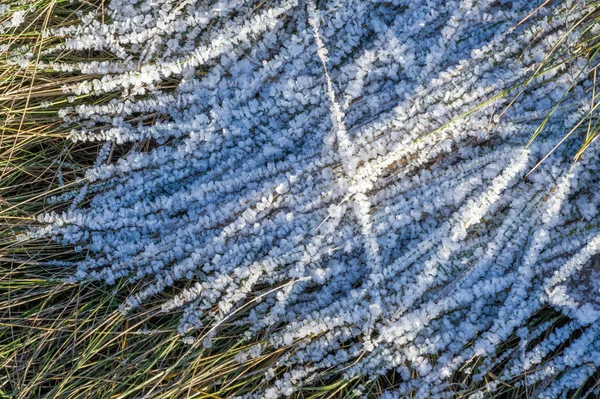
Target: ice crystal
<point>347,175</point>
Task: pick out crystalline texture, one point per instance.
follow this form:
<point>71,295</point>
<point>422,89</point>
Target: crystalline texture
<point>359,159</point>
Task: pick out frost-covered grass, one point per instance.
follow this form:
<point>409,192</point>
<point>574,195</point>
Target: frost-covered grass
<point>324,200</point>
<point>66,340</point>
<point>62,340</point>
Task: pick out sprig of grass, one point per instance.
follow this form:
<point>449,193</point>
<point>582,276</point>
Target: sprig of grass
<point>586,37</point>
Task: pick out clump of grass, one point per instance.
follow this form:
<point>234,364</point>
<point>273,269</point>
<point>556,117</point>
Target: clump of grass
<point>581,40</point>
<point>589,45</point>
<point>58,339</point>
<point>65,340</point>
<point>69,340</point>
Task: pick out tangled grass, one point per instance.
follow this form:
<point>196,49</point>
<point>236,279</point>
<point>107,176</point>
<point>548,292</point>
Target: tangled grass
<point>60,340</point>
<point>65,340</point>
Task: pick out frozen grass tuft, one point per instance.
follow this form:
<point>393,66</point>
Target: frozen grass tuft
<point>324,199</point>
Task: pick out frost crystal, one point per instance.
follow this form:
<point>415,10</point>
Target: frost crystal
<point>347,176</point>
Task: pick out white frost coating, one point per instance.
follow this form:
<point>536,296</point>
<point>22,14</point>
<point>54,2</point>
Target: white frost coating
<point>310,176</point>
